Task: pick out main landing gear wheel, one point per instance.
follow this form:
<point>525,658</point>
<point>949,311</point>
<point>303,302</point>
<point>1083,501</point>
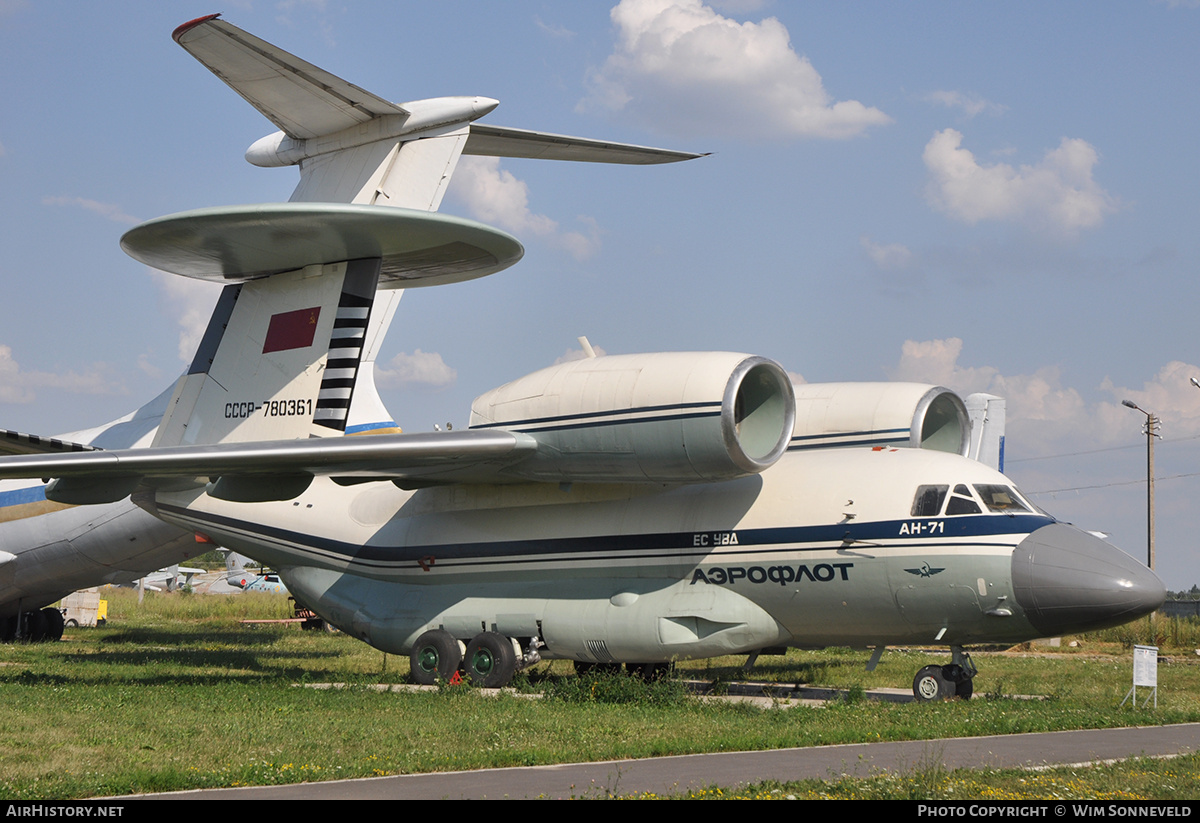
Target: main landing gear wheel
<point>435,656</point>
<point>54,624</point>
<point>35,626</point>
<point>491,660</point>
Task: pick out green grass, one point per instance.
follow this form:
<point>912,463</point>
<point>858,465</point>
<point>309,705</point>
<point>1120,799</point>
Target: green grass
<point>1136,779</point>
<point>176,694</point>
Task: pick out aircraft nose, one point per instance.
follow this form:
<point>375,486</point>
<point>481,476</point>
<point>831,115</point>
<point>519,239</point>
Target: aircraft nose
<point>1068,581</point>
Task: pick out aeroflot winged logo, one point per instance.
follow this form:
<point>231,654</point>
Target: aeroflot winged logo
<point>292,330</point>
<point>926,570</point>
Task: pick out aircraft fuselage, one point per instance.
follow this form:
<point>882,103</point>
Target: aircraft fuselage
<point>821,549</point>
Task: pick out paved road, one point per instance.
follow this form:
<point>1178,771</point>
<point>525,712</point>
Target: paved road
<point>665,775</point>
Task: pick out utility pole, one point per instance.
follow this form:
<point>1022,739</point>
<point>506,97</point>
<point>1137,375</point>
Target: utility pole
<point>1152,424</point>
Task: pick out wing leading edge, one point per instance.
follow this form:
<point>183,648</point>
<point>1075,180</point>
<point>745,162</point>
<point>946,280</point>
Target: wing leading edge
<point>410,459</point>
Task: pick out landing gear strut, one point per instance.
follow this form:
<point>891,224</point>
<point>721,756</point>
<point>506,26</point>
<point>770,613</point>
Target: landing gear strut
<point>943,682</point>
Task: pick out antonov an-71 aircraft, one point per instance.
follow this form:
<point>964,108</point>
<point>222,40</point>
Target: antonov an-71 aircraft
<point>628,509</point>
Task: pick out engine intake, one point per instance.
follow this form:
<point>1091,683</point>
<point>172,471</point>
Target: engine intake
<point>914,415</point>
<point>670,417</point>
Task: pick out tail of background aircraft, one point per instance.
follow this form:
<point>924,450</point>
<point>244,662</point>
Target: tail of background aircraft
<point>987,429</point>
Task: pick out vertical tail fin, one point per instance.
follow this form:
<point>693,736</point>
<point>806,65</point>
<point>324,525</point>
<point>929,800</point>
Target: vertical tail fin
<point>987,429</point>
<point>279,360</point>
<point>284,350</point>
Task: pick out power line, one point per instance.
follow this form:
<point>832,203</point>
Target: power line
<point>1157,479</point>
<point>1098,451</point>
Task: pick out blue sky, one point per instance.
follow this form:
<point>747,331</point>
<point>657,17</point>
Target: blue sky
<point>995,197</point>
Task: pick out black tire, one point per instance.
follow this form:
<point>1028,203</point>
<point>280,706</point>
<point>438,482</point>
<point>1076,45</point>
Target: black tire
<point>8,629</point>
<point>35,626</point>
<point>71,624</point>
<point>54,625</point>
<point>435,656</point>
<point>931,684</point>
<point>582,669</point>
<point>491,661</point>
<point>964,686</point>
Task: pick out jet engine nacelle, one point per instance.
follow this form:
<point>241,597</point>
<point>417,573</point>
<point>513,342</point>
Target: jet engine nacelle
<point>672,417</point>
<point>915,415</point>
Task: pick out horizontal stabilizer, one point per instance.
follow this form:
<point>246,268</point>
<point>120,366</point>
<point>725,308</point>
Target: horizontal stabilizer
<point>301,99</point>
<point>12,442</point>
<point>500,141</point>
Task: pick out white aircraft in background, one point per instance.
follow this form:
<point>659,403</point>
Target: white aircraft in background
<point>238,576</point>
<point>170,578</point>
<point>629,508</point>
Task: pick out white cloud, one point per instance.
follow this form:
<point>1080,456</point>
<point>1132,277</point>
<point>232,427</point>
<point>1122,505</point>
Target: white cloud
<point>1045,413</point>
<point>1059,192</point>
<point>681,67</point>
<point>190,302</point>
<point>19,386</point>
<point>936,361</point>
<point>405,369</point>
<point>970,104</point>
<point>493,195</point>
<point>891,256</point>
<point>1170,396</point>
<point>1038,408</point>
<point>558,32</point>
<point>109,211</point>
<point>148,368</point>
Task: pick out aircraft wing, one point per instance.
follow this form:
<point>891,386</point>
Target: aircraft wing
<point>13,442</point>
<point>302,100</point>
<point>501,141</point>
<point>410,459</point>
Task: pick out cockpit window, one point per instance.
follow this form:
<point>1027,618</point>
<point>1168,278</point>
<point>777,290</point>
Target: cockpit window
<point>928,502</point>
<point>961,502</point>
<point>1000,498</point>
<point>930,498</point>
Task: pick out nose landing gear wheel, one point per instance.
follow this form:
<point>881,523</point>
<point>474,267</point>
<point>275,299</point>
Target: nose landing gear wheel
<point>964,683</point>
<point>435,656</point>
<point>932,684</point>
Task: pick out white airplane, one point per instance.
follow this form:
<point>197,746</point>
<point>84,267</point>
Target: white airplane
<point>630,508</point>
<point>170,578</point>
<point>238,576</point>
<point>352,147</point>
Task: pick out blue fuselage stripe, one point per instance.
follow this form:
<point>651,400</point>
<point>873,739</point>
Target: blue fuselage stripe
<point>957,531</point>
